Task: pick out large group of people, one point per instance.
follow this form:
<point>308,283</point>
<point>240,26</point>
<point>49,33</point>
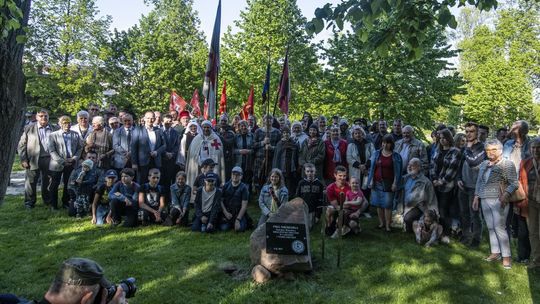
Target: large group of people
<point>174,169</point>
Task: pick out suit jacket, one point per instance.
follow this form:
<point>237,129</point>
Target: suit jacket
<point>121,147</point>
<point>140,146</point>
<point>29,146</point>
<point>58,149</point>
<point>172,143</point>
<point>416,149</point>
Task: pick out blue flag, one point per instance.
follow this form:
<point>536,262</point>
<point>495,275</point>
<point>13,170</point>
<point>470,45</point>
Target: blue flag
<point>266,87</point>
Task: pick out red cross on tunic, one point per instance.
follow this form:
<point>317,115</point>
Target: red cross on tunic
<point>216,144</point>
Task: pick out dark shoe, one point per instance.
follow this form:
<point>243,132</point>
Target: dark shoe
<point>465,241</point>
<point>115,223</point>
<point>29,206</point>
<point>168,222</point>
<point>474,244</point>
<point>522,261</point>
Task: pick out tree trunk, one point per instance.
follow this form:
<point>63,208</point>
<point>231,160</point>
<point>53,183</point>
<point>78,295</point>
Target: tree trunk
<point>12,97</point>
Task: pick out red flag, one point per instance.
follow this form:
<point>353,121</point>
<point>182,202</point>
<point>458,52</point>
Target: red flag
<point>223,101</point>
<point>247,109</point>
<point>177,103</point>
<point>196,110</point>
<point>285,87</point>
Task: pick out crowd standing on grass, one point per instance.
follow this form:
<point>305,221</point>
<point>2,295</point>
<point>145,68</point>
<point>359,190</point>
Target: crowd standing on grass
<point>177,170</point>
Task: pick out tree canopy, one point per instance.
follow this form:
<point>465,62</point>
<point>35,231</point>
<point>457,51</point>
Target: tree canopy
<point>394,21</point>
<point>501,67</point>
<point>65,52</point>
<point>265,30</point>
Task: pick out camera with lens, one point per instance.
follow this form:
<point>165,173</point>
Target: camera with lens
<point>128,285</point>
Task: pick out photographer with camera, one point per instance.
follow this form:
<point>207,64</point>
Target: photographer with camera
<point>81,280</point>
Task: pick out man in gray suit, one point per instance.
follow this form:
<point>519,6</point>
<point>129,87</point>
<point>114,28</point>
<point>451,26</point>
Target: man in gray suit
<point>147,145</point>
<point>122,144</point>
<point>65,147</point>
<point>35,158</point>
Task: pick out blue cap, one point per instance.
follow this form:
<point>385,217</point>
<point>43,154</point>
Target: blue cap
<point>211,175</point>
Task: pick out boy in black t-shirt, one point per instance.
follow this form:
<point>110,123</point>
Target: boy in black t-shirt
<point>100,205</point>
<point>152,199</point>
<point>234,203</point>
<point>311,190</point>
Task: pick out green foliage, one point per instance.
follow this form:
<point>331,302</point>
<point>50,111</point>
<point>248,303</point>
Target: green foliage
<point>165,51</point>
<point>400,22</point>
<point>363,84</point>
<point>265,29</point>
<point>63,62</point>
<point>11,17</point>
<point>175,265</point>
<point>501,68</point>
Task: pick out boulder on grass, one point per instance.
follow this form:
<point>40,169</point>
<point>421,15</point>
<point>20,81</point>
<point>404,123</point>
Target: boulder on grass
<point>260,274</point>
<point>293,212</point>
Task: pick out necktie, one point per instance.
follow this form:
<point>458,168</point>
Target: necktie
<point>44,139</point>
<point>66,141</point>
<point>128,136</point>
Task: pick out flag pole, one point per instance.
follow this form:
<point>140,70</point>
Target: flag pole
<point>267,105</point>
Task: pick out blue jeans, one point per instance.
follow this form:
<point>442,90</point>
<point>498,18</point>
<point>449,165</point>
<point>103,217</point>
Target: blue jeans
<point>230,225</point>
<point>198,226</point>
<point>101,214</point>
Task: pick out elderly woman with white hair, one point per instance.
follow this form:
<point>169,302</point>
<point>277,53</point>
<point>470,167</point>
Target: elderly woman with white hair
<point>497,180</point>
<point>100,141</point>
<point>359,153</point>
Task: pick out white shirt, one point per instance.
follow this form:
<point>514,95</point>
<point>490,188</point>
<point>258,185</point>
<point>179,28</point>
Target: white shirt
<point>152,138</point>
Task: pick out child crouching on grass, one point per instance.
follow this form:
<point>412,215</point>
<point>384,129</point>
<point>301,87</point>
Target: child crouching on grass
<point>428,231</point>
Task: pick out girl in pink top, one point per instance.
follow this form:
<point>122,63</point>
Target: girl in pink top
<point>355,204</point>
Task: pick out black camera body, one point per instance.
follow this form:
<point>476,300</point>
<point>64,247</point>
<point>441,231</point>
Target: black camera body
<point>128,285</point>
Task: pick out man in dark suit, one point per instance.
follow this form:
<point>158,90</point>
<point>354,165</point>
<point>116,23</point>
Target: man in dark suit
<point>168,161</point>
<point>122,144</point>
<point>147,145</point>
<point>65,147</point>
<point>35,158</point>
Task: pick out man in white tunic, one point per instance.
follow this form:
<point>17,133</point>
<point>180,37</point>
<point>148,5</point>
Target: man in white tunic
<point>205,145</point>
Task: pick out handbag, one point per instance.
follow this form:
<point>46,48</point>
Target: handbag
<point>515,196</point>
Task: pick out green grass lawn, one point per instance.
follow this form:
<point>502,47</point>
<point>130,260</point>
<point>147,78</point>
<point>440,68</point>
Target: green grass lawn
<point>174,265</point>
<point>16,164</point>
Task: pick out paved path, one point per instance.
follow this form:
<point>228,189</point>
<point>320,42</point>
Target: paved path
<point>16,185</point>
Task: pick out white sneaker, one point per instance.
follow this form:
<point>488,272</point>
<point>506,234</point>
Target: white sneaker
<point>367,215</point>
<point>445,240</point>
<point>346,230</point>
<point>335,235</point>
